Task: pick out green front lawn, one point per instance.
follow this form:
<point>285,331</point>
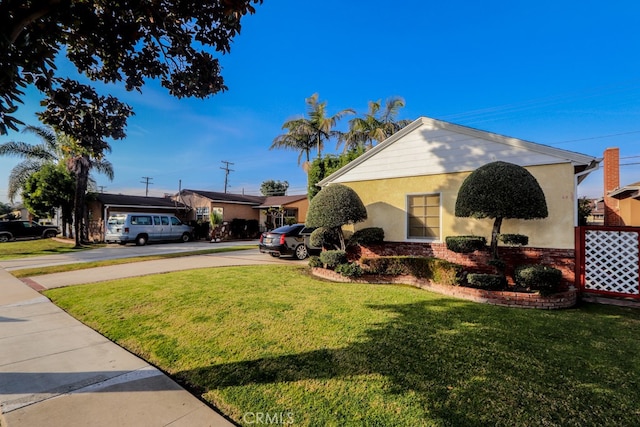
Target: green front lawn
<point>35,247</point>
<point>271,339</point>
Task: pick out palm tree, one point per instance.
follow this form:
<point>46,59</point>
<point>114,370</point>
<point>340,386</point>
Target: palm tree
<point>53,148</point>
<point>377,125</point>
<point>306,133</point>
<point>296,138</point>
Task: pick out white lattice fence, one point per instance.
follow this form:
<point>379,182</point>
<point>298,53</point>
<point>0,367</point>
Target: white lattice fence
<point>611,262</point>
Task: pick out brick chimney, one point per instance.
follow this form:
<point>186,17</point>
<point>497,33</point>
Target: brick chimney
<point>611,182</point>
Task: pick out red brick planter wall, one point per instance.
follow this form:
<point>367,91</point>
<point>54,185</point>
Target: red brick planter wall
<point>562,259</point>
<point>564,299</point>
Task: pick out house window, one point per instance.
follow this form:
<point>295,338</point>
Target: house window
<point>423,216</point>
<point>202,213</point>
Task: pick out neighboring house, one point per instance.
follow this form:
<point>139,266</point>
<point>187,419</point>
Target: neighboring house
<point>268,211</point>
<point>622,204</point>
<point>276,211</point>
<point>413,178</point>
<point>597,213</point>
<point>104,204</point>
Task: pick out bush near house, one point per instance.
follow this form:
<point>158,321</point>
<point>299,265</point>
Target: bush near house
<point>514,239</point>
<point>333,258</point>
<point>367,236</point>
<point>465,244</point>
<point>436,269</point>
<point>490,282</point>
<point>542,278</point>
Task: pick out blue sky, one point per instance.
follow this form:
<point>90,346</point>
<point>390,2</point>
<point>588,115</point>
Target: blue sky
<point>562,73</point>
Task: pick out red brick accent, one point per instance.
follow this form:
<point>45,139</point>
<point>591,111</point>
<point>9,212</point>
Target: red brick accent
<point>562,259</point>
<point>564,299</point>
<point>611,166</point>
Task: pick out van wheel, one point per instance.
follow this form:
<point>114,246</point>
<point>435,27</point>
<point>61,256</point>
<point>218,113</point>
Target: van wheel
<point>50,234</point>
<point>4,238</point>
<point>185,237</point>
<point>141,240</point>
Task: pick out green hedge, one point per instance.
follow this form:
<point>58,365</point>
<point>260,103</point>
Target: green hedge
<point>349,269</point>
<point>514,239</point>
<point>491,282</point>
<point>436,269</point>
<point>465,244</point>
<point>333,258</point>
<point>367,236</point>
<point>538,277</point>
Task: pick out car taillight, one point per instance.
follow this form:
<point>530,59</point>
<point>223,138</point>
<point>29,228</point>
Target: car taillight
<point>126,229</point>
<point>282,239</point>
<point>261,237</point>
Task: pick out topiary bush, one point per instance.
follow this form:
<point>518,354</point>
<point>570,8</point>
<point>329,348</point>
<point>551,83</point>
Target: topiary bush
<point>438,270</point>
<point>514,239</point>
<point>490,282</point>
<point>367,236</point>
<point>465,244</point>
<point>314,261</point>
<point>351,269</point>
<point>324,237</point>
<point>331,259</point>
<point>542,278</point>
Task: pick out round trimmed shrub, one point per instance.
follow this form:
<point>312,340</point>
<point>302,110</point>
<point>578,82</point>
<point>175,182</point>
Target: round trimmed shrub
<point>351,269</point>
<point>465,244</point>
<point>367,236</point>
<point>540,278</point>
<point>332,258</point>
<point>323,237</point>
<point>314,261</point>
<point>335,206</point>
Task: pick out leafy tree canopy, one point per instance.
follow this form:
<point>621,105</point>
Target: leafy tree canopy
<point>111,42</point>
<point>334,206</point>
<point>322,167</point>
<point>49,188</point>
<point>501,190</point>
<point>274,188</point>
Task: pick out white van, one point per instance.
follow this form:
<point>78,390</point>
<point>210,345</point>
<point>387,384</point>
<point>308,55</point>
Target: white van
<point>145,227</point>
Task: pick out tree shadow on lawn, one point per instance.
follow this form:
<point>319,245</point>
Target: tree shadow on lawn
<point>471,364</point>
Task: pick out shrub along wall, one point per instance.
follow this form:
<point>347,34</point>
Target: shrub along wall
<point>562,259</point>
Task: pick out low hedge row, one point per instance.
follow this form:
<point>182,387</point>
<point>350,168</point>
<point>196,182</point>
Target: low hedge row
<point>436,269</point>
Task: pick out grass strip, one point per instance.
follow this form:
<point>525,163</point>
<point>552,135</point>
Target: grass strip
<point>38,271</point>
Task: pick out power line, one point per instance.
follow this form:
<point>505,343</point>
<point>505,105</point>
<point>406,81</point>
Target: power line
<point>226,175</point>
<point>147,183</point>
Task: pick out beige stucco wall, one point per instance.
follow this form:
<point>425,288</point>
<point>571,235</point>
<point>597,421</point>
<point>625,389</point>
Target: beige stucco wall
<point>303,208</point>
<point>230,210</point>
<point>385,201</point>
<point>630,212</point>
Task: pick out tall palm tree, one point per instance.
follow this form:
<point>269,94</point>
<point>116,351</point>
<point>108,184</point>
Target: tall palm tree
<point>376,126</point>
<point>53,148</point>
<point>296,138</point>
<point>312,131</point>
<point>320,126</point>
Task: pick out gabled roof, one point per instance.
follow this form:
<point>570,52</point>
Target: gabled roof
<point>429,147</point>
<point>228,197</point>
<point>279,201</point>
<point>123,200</point>
<point>632,190</point>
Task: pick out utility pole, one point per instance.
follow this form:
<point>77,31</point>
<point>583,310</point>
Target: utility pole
<point>226,175</point>
<point>146,183</point>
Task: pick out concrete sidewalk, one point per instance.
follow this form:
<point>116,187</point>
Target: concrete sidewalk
<point>55,371</point>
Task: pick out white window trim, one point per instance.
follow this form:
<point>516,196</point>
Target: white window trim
<point>406,219</point>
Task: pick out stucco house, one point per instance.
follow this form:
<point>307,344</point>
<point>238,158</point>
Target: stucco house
<point>410,181</point>
<point>271,210</point>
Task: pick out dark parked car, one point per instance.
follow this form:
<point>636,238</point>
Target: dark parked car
<point>11,230</point>
<point>287,240</point>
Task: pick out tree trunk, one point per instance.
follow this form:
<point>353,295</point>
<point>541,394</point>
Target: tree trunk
<point>81,170</point>
<point>494,237</point>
